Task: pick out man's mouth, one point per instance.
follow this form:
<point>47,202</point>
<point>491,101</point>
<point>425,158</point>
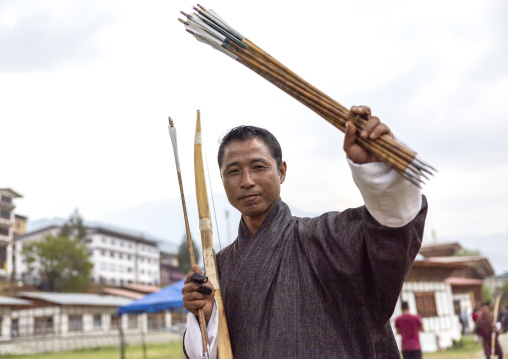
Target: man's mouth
<point>248,196</point>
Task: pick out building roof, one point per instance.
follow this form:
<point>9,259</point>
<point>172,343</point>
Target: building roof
<point>123,293</point>
<point>92,230</point>
<point>8,301</point>
<point>20,216</point>
<point>480,264</point>
<point>440,249</point>
<point>457,281</point>
<point>142,288</point>
<point>136,238</point>
<point>14,194</point>
<point>84,299</point>
<point>40,230</point>
<point>432,262</point>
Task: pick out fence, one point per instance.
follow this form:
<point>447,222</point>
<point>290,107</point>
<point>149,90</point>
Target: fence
<point>63,329</point>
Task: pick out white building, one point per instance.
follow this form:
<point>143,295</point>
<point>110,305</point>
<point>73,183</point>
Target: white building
<point>118,258</point>
<point>429,296</point>
<point>7,206</point>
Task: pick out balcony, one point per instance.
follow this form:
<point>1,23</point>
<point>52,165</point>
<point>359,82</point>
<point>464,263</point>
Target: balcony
<point>7,205</point>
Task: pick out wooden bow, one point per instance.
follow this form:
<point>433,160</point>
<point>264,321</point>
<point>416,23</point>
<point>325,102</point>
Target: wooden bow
<point>224,350</point>
<point>201,315</point>
<point>494,330</point>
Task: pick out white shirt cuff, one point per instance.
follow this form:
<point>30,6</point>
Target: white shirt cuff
<point>193,343</point>
<point>392,200</point>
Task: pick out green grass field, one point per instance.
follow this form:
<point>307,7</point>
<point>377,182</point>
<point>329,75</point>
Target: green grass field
<point>468,351</point>
<point>171,350</point>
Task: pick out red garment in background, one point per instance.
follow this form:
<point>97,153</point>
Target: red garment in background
<point>484,330</point>
<point>408,326</point>
<point>475,316</point>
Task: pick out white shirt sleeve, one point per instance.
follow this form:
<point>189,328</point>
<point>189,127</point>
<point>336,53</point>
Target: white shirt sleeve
<point>392,200</point>
<point>193,343</point>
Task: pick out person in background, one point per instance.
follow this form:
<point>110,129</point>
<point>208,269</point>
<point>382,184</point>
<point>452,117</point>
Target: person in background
<point>485,326</point>
<point>503,318</point>
<point>408,326</point>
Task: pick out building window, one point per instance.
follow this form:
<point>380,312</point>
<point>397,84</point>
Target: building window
<point>4,231</point>
<point>111,254</point>
<point>129,257</point>
<point>113,241</point>
<point>43,325</point>
<point>114,322</point>
<point>104,253</point>
<point>103,239</point>
<point>156,321</point>
<point>6,199</point>
<point>133,321</point>
<point>120,255</point>
<point>97,322</point>
<point>3,255</point>
<point>456,307</point>
<point>5,214</point>
<point>426,304</point>
<point>75,323</point>
<point>129,269</point>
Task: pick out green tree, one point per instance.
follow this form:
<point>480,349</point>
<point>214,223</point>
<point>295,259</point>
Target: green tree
<point>61,262</point>
<point>184,264</point>
<point>74,227</point>
<point>503,292</point>
<point>486,293</point>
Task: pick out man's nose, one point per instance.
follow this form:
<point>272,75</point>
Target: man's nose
<point>247,180</point>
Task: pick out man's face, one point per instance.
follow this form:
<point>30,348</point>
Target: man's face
<point>485,309</point>
<point>251,178</point>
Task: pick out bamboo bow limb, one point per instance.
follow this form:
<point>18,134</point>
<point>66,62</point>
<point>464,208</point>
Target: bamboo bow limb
<point>201,314</point>
<point>224,350</point>
<point>494,331</point>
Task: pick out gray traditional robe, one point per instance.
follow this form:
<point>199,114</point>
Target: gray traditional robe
<point>320,287</point>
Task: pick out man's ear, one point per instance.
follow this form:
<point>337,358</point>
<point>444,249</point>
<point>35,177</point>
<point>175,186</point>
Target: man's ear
<point>282,171</point>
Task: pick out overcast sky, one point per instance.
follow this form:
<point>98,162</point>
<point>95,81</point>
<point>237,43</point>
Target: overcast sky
<point>86,88</point>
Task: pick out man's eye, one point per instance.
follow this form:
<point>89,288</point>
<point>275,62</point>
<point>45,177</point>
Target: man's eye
<point>258,167</point>
<point>233,172</point>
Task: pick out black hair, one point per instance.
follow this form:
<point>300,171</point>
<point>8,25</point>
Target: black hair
<point>244,133</point>
<point>405,305</point>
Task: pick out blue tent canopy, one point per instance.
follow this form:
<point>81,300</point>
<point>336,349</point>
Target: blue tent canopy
<point>167,298</point>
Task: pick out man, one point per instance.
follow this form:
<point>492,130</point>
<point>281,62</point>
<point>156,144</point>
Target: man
<point>409,326</point>
<point>321,287</point>
<point>485,326</point>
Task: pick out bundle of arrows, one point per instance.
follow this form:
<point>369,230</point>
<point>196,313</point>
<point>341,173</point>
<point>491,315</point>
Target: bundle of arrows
<point>208,27</point>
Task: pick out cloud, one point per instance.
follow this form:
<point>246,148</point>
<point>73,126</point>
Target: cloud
<point>45,36</point>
